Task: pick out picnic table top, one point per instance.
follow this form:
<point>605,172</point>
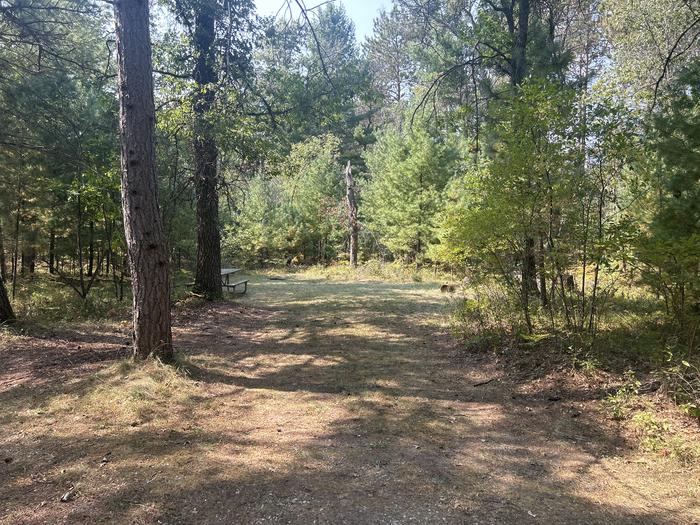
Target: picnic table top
<point>229,271</point>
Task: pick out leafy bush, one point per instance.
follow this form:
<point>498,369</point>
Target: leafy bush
<point>683,380</point>
<point>621,402</point>
<point>43,299</point>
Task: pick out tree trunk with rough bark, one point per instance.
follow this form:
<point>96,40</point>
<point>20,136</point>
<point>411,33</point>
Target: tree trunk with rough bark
<point>207,279</point>
<point>52,252</point>
<point>352,213</point>
<point>143,223</point>
<point>6,313</point>
<point>518,57</point>
<point>15,251</point>
<point>3,260</point>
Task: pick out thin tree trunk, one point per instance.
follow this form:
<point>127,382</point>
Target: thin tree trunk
<point>584,261</point>
<point>543,277</point>
<point>3,260</point>
<point>596,273</point>
<point>31,260</point>
<point>91,249</point>
<point>15,253</point>
<point>207,279</point>
<point>529,264</point>
<point>143,223</point>
<point>24,263</point>
<point>79,230</point>
<point>477,117</point>
<point>525,298</point>
<point>52,252</point>
<point>352,214</point>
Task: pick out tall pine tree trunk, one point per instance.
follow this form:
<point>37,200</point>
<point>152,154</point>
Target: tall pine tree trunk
<point>207,278</point>
<point>518,64</point>
<point>31,259</point>
<point>3,260</point>
<point>6,313</point>
<point>518,56</point>
<point>15,251</point>
<point>143,223</point>
<point>352,214</point>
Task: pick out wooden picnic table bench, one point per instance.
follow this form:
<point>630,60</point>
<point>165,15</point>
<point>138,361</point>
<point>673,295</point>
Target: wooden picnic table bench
<point>226,283</point>
<point>226,274</point>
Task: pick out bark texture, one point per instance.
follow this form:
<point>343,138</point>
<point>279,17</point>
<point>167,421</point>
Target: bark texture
<point>6,313</point>
<point>207,279</point>
<point>52,252</point>
<point>143,222</point>
<point>519,64</point>
<point>3,260</point>
<point>352,213</point>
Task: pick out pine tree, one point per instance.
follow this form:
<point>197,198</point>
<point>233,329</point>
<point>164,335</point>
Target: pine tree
<point>143,224</point>
<point>408,173</point>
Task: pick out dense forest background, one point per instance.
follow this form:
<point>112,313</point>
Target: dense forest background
<point>546,150</point>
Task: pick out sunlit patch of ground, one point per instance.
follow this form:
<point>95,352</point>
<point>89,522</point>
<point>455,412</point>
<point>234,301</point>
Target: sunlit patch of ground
<point>310,401</point>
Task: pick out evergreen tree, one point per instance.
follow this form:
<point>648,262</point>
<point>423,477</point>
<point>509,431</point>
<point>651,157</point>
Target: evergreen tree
<point>409,171</point>
<point>672,249</point>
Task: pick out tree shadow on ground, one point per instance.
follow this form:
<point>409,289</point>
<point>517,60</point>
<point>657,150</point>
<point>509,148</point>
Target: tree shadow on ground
<point>335,404</point>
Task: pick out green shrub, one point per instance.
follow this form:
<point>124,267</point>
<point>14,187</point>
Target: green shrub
<point>621,402</point>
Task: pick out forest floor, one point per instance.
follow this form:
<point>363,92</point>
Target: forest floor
<point>309,401</point>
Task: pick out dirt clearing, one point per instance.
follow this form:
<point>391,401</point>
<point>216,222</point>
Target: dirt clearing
<point>306,402</point>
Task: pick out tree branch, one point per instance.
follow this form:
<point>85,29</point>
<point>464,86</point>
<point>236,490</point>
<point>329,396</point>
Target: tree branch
<point>671,56</point>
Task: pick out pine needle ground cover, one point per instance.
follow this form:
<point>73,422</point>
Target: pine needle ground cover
<point>316,400</point>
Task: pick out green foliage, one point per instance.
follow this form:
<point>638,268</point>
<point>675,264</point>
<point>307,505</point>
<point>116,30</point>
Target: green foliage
<point>671,249</point>
<point>313,193</point>
<point>458,229</point>
<point>408,173</point>
<point>550,193</point>
<point>296,215</point>
<point>589,365</point>
<point>259,235</point>
<point>389,54</point>
<point>644,34</point>
<point>624,399</point>
<point>498,204</point>
<point>481,319</point>
<point>682,375</point>
<point>651,429</point>
<point>43,300</point>
<point>542,183</point>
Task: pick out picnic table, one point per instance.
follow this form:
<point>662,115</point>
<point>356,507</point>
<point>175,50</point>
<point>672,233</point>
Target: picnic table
<point>226,283</point>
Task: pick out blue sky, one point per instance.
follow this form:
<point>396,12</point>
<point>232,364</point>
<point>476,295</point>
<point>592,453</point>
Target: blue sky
<point>362,12</point>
